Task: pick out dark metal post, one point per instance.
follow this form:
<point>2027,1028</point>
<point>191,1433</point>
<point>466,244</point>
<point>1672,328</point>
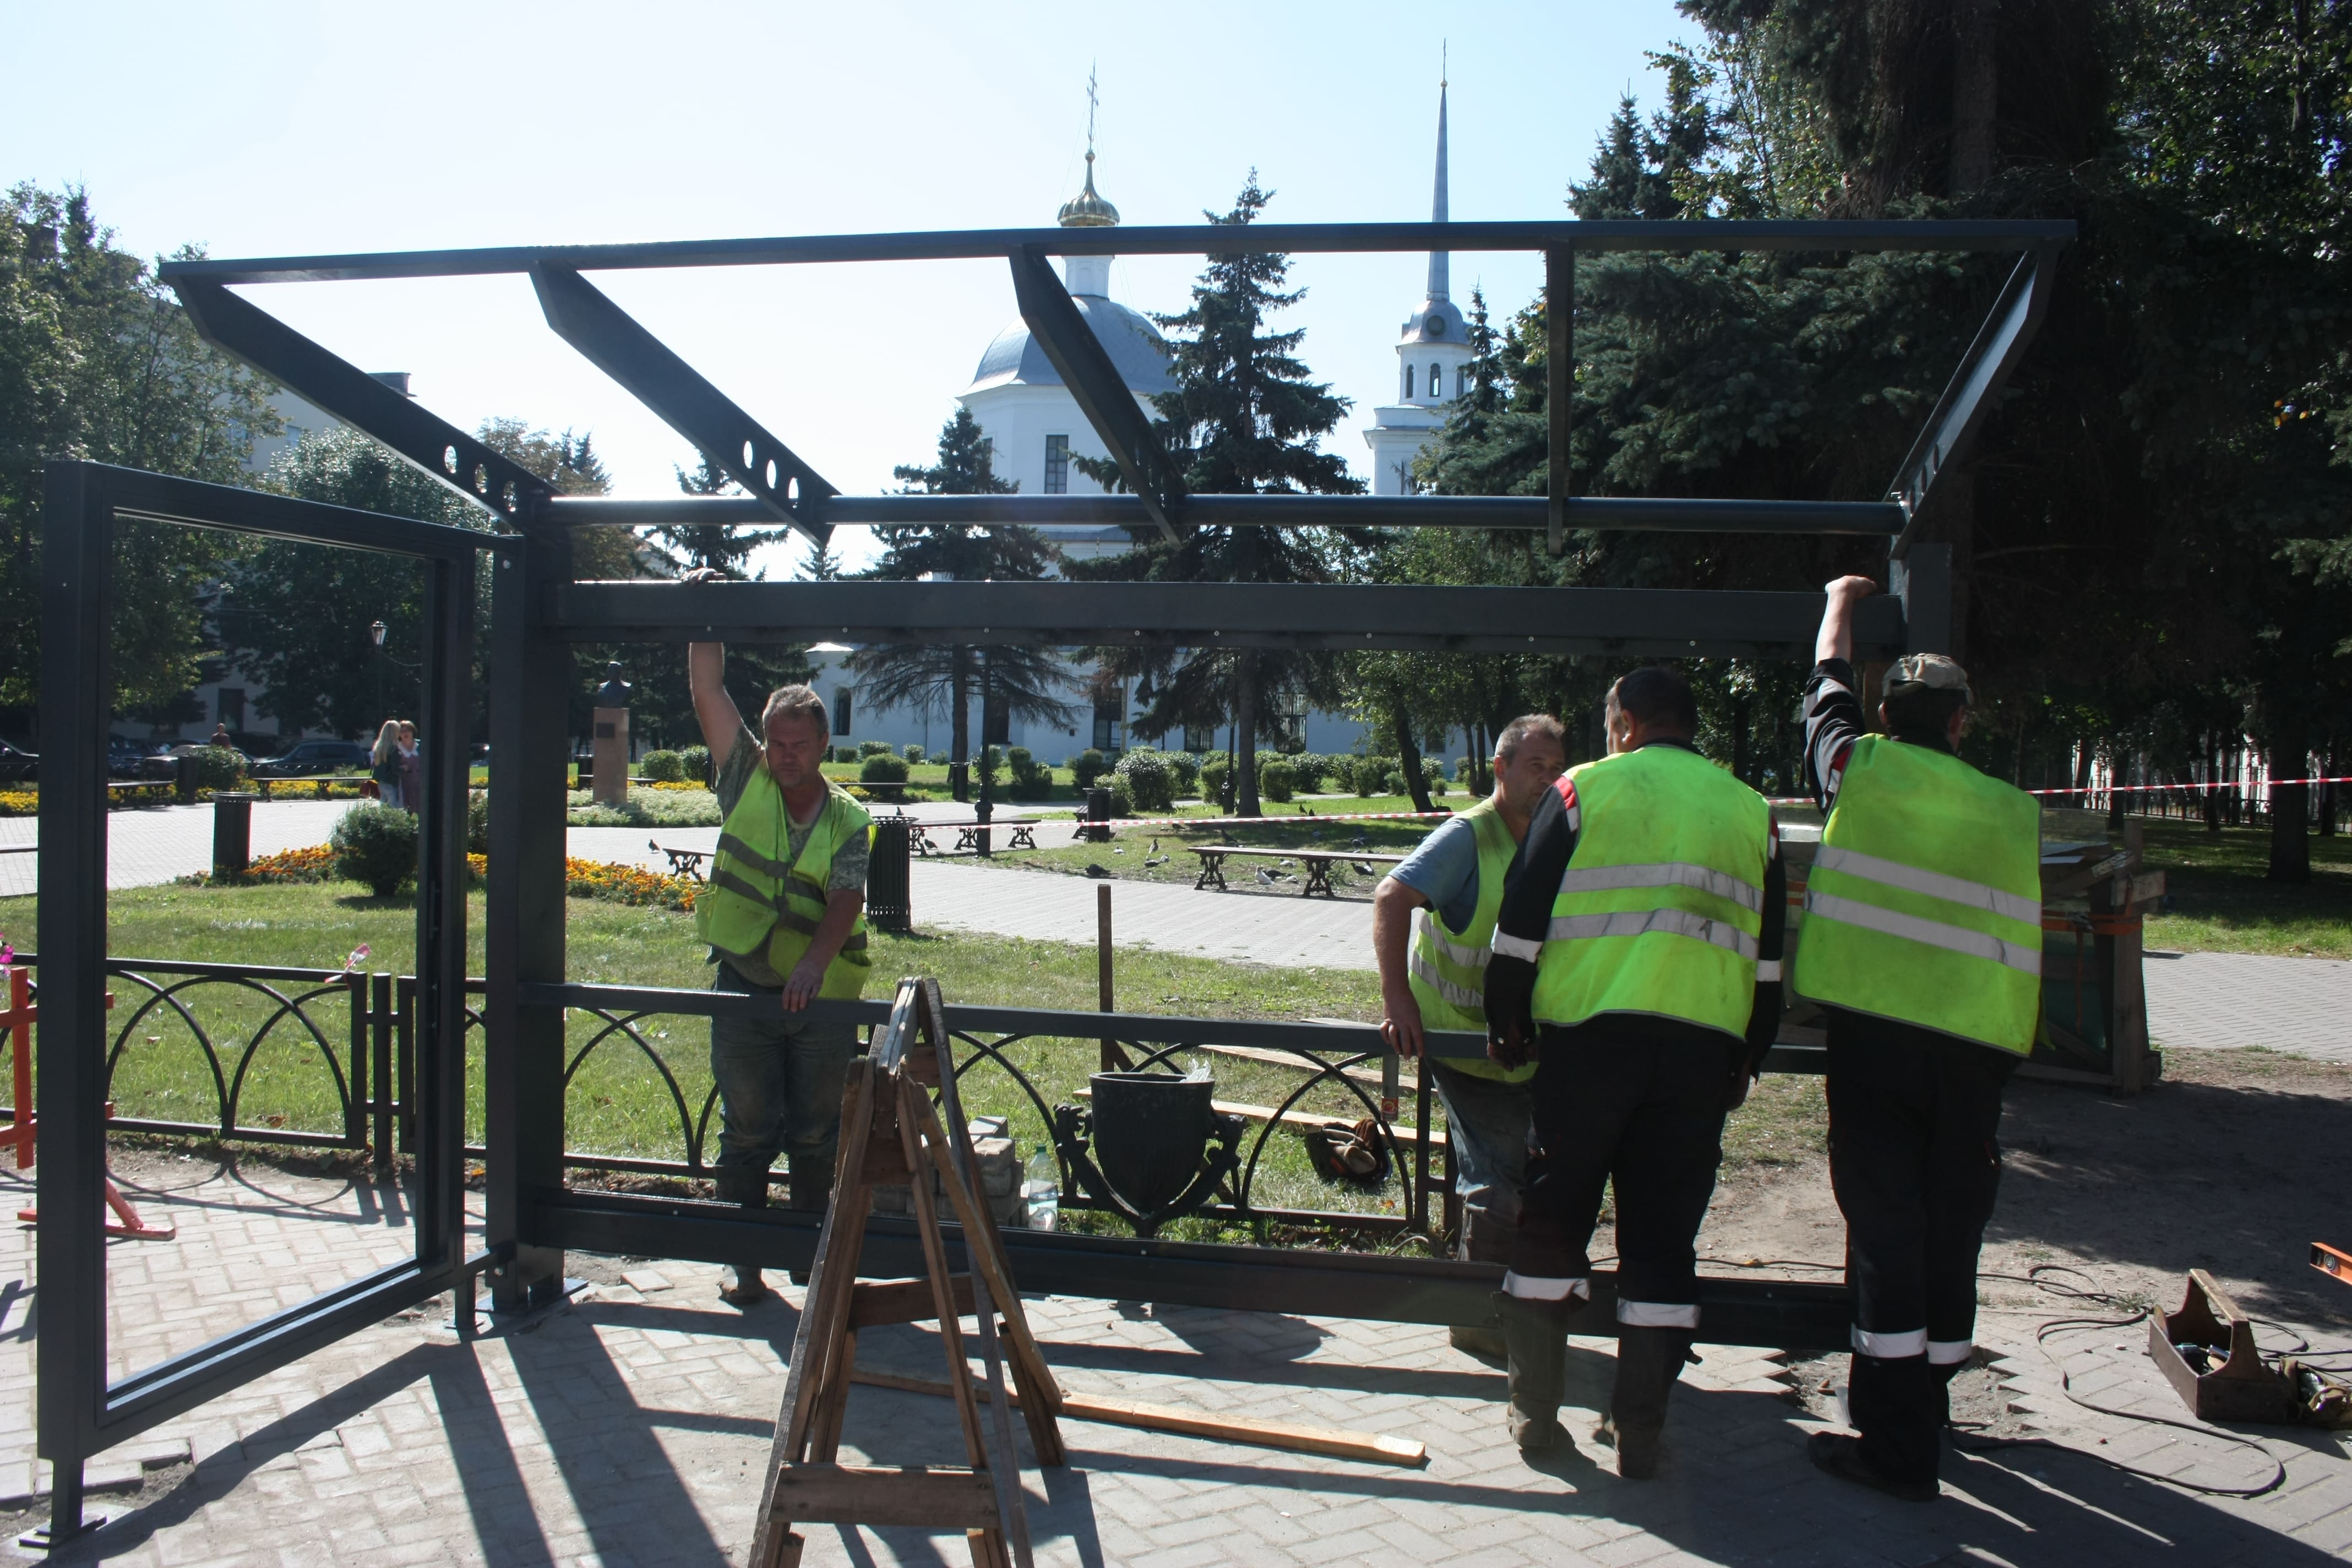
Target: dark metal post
<point>523,1058</point>
<point>1922,579</point>
<point>446,721</point>
<point>77,696</point>
<point>379,1020</point>
<point>1559,388</point>
<point>355,1108</point>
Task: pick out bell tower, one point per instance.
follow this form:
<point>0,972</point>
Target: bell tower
<point>1433,351</point>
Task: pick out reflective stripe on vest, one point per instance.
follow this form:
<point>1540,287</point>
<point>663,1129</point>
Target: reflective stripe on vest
<point>1446,969</point>
<point>758,909</point>
<point>1923,904</point>
<point>1660,909</point>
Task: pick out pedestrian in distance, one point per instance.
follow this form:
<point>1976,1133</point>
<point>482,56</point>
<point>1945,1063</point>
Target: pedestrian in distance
<point>383,763</point>
<point>1433,921</point>
<point>412,767</point>
<point>1922,940</point>
<point>1637,963</point>
<point>784,920</point>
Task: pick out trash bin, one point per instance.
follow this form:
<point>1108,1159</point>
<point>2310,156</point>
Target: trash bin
<point>1098,810</point>
<point>232,833</point>
<point>889,891</point>
<point>183,780</point>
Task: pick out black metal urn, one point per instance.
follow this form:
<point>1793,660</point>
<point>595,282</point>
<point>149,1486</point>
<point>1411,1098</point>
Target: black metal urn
<point>1151,1134</point>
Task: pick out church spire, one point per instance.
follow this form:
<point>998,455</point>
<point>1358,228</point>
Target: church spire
<point>1087,209</point>
<point>1439,261</point>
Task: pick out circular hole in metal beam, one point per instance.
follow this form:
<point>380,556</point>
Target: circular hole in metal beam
<point>449,458</point>
<point>747,454</point>
<point>771,473</point>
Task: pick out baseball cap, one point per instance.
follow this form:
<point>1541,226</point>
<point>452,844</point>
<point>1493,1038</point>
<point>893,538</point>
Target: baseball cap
<point>1928,673</point>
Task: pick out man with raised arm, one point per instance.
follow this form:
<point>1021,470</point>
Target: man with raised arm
<point>1922,938</point>
<point>1443,900</point>
<point>785,919</point>
<point>1637,960</point>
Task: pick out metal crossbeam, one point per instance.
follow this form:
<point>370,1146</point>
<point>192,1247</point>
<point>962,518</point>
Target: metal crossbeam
<point>2016,316</point>
<point>1095,386</point>
<point>1593,237</point>
<point>1634,621</point>
<point>613,341</point>
<point>460,461</point>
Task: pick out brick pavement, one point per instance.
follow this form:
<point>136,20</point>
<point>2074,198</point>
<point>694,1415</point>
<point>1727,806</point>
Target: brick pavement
<point>2298,1004</point>
<point>632,1429</point>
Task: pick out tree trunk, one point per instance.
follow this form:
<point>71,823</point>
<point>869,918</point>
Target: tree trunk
<point>960,741</point>
<point>1245,736</point>
<point>2212,790</point>
<point>1408,755</point>
<point>1976,93</point>
<point>2289,756</point>
<point>1741,754</point>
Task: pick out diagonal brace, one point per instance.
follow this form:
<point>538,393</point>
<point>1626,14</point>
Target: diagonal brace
<point>613,341</point>
<point>2015,317</point>
<point>238,326</point>
<point>1094,382</point>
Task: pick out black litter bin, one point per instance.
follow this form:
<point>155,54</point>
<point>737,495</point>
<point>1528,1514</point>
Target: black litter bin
<point>232,833</point>
<point>1098,811</point>
<point>889,893</point>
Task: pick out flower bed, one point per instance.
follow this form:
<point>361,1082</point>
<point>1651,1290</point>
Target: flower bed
<point>627,884</point>
<point>696,807</point>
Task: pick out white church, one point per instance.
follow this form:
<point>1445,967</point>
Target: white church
<point>1034,428</point>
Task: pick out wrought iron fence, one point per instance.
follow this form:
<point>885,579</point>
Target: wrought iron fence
<point>349,1034</point>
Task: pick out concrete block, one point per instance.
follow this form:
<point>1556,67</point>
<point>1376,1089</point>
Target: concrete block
<point>645,1282</point>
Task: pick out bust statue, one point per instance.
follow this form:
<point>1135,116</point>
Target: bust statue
<point>614,692</point>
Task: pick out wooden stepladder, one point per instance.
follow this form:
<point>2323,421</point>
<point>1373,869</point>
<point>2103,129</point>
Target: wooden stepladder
<point>890,1135</point>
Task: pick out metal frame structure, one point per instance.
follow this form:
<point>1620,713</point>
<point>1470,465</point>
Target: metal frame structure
<point>539,612</point>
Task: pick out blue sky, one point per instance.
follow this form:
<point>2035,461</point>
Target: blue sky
<point>256,130</point>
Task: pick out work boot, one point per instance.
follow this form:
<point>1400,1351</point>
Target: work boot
<point>1843,1457</point>
<point>1648,1363</point>
<point>744,1185</point>
<point>1535,1335</point>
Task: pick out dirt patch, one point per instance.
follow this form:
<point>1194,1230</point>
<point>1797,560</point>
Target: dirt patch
<point>2233,1162</point>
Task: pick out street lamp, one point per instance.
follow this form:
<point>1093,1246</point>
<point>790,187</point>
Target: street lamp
<point>376,635</point>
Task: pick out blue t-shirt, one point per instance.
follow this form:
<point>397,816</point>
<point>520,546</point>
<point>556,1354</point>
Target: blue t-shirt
<point>1444,870</point>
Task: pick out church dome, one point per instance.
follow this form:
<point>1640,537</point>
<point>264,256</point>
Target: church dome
<point>1137,349</point>
<point>1087,209</point>
<point>1439,320</point>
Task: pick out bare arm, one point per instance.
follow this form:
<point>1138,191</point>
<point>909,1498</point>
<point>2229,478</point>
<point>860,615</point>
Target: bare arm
<point>1836,639</point>
<point>706,678</point>
<point>1392,906</point>
<point>840,907</point>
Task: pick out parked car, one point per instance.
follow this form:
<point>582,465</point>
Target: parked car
<point>18,766</point>
<point>307,758</point>
<point>126,758</point>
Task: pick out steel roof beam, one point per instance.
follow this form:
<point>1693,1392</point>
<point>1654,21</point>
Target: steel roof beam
<point>239,328</point>
<point>1094,383</point>
<point>1593,237</point>
<point>1528,513</point>
<point>613,341</point>
<point>1633,622</point>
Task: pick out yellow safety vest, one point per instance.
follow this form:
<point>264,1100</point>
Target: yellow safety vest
<point>1447,968</point>
<point>1924,902</point>
<point>757,905</point>
<point>1662,904</point>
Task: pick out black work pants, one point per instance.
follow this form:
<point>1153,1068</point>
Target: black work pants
<point>1646,1114</point>
<point>1914,1159</point>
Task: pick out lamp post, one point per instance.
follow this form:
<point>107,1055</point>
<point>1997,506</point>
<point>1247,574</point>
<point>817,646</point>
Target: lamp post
<point>376,635</point>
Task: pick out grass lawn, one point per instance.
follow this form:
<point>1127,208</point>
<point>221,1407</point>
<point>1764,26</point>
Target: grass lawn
<point>2220,900</point>
<point>1140,854</point>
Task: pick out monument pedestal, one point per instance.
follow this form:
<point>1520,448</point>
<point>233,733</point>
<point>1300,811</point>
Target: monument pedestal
<point>612,760</point>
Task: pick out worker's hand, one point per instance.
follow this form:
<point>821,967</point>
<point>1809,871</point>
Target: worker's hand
<point>1402,1027</point>
<point>704,575</point>
<point>1510,1015</point>
<point>1851,588</point>
<point>801,984</point>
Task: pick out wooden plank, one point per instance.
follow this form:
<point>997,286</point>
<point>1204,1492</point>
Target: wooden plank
<point>1407,1082</point>
<point>1337,1441</point>
<point>1405,1136</point>
<point>873,1306</point>
<point>920,1497</point>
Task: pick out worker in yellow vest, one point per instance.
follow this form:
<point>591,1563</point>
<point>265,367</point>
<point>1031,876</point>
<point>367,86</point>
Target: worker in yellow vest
<point>785,919</point>
<point>1432,917</point>
<point>1922,938</point>
<point>1637,961</point>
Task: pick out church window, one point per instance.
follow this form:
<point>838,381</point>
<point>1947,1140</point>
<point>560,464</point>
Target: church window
<point>1437,381</point>
<point>1057,465</point>
<point>842,697</point>
<point>1407,383</point>
<point>1460,379</point>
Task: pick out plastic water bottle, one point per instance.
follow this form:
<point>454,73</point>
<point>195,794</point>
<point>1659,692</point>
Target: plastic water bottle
<point>1041,1189</point>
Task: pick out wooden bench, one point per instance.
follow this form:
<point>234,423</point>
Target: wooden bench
<point>682,862</point>
<point>1024,832</point>
<point>162,790</point>
<point>1318,864</point>
<point>320,786</point>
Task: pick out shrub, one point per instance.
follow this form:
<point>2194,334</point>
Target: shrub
<point>218,768</point>
<point>1277,779</point>
<point>1309,769</point>
<point>1369,775</point>
<point>1187,769</point>
<point>375,845</point>
<point>662,767</point>
<point>695,760</point>
<point>1122,804</point>
<point>1392,782</point>
<point>1216,782</point>
<point>1087,767</point>
<point>478,822</point>
<point>873,748</point>
<point>912,753</point>
<point>842,755</point>
<point>1150,783</point>
<point>1435,779</point>
<point>882,767</point>
<point>1032,779</point>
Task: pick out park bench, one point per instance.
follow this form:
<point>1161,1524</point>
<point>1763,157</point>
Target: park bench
<point>319,786</point>
<point>1024,832</point>
<point>682,862</point>
<point>159,791</point>
<point>1318,864</point>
